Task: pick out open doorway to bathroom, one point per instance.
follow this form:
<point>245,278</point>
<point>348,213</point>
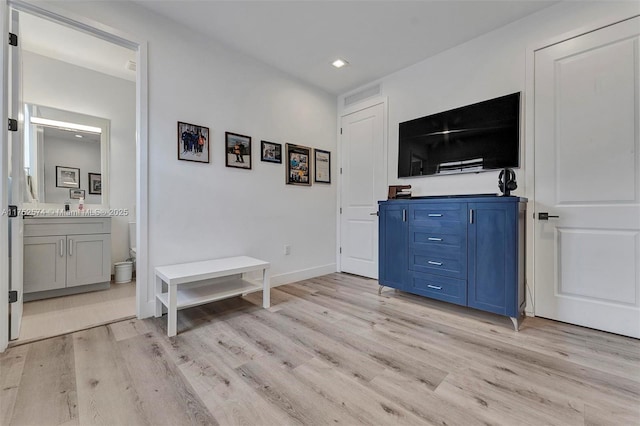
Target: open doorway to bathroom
<point>74,78</point>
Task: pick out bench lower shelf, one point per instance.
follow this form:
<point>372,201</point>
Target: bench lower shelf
<point>194,296</point>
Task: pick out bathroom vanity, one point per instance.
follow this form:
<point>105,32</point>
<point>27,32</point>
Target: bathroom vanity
<point>66,255</point>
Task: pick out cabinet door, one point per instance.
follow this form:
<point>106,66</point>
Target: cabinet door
<point>44,263</point>
<point>493,257</point>
<point>393,245</point>
<point>88,259</point>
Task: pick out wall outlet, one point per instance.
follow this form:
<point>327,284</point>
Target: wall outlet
<point>287,249</point>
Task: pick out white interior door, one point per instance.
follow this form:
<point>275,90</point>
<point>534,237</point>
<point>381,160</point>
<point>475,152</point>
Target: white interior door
<point>364,183</point>
<point>587,260</point>
<point>17,182</point>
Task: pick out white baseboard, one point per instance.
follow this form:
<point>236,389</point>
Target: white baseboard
<point>303,274</point>
<point>148,309</point>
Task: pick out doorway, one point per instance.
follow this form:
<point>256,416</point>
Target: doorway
<point>587,160</point>
<point>121,211</point>
<point>363,184</point>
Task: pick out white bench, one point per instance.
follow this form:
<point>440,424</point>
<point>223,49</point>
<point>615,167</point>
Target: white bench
<point>178,298</point>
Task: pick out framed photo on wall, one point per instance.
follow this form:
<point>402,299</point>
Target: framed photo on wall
<point>76,194</point>
<point>67,177</point>
<point>322,166</point>
<point>271,152</point>
<point>237,150</point>
<point>193,142</point>
<point>95,183</point>
<point>298,165</point>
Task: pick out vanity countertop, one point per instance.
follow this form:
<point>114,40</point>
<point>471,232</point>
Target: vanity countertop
<point>61,214</point>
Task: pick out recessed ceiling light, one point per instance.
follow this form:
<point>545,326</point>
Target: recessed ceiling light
<point>78,136</point>
<point>339,63</point>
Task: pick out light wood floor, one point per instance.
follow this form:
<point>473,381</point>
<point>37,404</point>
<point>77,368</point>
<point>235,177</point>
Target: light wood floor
<point>60,315</point>
<point>329,351</point>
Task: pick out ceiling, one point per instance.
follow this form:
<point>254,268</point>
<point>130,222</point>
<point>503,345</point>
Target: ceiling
<point>57,41</point>
<point>377,38</point>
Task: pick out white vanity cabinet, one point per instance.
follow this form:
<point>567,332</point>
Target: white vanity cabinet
<point>66,255</point>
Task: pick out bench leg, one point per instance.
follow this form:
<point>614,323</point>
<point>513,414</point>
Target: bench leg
<point>172,314</point>
<point>266,289</point>
<point>159,305</point>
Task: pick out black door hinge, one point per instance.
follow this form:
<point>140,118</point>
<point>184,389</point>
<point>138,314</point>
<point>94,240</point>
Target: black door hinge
<point>13,211</point>
<point>13,296</point>
<point>13,39</point>
<point>13,125</point>
<point>340,130</point>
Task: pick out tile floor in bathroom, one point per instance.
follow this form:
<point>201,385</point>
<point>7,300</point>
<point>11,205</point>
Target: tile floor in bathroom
<point>53,317</point>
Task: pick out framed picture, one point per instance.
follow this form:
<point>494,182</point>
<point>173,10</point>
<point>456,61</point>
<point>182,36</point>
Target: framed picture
<point>95,183</point>
<point>271,152</point>
<point>322,166</point>
<point>76,194</point>
<point>193,142</point>
<point>298,165</point>
<point>238,150</point>
<point>67,177</point>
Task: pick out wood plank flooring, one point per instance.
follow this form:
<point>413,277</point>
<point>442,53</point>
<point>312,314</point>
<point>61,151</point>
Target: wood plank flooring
<point>329,351</point>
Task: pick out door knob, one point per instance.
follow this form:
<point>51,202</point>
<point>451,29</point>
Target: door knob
<point>545,216</point>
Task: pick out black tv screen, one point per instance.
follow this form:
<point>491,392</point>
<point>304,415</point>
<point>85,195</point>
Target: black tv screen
<point>474,138</point>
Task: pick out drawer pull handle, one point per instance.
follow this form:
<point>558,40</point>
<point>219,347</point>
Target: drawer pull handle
<point>435,214</point>
<point>431,262</point>
<point>435,239</point>
<point>435,287</point>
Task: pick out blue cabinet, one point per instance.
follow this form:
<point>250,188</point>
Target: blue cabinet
<point>467,250</point>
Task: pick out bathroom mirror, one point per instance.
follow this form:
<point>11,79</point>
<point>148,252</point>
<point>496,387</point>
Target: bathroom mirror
<point>66,156</point>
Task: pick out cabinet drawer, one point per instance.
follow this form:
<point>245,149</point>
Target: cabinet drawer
<point>438,214</point>
<point>37,227</point>
<point>441,288</point>
<point>448,263</point>
<point>421,236</point>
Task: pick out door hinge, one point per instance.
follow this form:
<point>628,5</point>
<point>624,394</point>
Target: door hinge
<point>340,250</point>
<point>340,130</point>
<point>13,125</point>
<point>13,39</point>
<point>340,210</point>
<point>13,296</point>
<point>340,170</point>
<point>12,211</point>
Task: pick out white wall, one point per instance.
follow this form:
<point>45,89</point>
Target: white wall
<point>486,67</point>
<point>72,88</point>
<point>200,211</point>
<point>69,153</point>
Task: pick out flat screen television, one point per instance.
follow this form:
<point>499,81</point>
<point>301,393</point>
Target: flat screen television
<point>471,139</point>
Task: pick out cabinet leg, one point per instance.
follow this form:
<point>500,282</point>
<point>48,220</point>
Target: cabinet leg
<point>266,289</point>
<point>172,314</point>
<point>380,290</point>
<point>158,312</point>
<point>516,323</point>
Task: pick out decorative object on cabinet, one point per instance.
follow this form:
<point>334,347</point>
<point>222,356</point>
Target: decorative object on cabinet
<point>237,150</point>
<point>467,250</point>
<point>399,191</point>
<point>298,164</point>
<point>271,152</point>
<point>322,166</point>
<point>95,183</point>
<point>193,142</point>
<point>67,255</point>
<point>507,182</point>
<point>67,177</point>
<point>76,194</point>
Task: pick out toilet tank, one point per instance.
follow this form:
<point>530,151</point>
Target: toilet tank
<point>132,235</point>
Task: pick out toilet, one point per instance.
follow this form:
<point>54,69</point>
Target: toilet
<point>132,243</point>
